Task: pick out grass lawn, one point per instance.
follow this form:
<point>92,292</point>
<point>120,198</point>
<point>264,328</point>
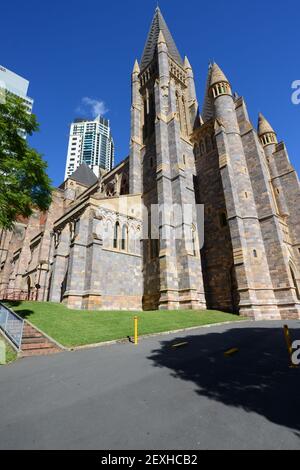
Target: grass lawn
<point>80,327</point>
<point>11,354</point>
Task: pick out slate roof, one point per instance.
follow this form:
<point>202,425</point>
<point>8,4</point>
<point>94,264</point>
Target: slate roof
<point>84,175</point>
<point>159,24</point>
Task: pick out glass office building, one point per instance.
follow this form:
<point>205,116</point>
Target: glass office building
<point>12,83</point>
<point>90,142</point>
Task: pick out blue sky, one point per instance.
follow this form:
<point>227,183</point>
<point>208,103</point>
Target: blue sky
<point>71,50</point>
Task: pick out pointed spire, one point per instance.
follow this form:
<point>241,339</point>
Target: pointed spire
<point>136,68</point>
<point>217,75</point>
<point>187,64</point>
<point>159,25</point>
<point>264,127</point>
<point>208,107</point>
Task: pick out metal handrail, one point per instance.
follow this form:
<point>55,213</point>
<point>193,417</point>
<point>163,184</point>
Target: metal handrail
<point>12,325</point>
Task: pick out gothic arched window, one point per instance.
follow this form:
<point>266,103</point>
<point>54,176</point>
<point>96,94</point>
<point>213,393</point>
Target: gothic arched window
<point>124,240</point>
<point>116,234</point>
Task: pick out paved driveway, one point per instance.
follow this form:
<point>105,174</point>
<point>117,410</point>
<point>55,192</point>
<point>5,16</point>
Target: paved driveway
<point>154,397</point>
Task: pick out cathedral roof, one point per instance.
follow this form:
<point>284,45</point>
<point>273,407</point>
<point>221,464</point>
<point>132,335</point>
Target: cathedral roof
<point>264,127</point>
<point>84,175</point>
<point>159,24</point>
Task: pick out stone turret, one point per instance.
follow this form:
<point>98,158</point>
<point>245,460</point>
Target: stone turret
<point>265,132</point>
<point>219,85</point>
<point>250,261</point>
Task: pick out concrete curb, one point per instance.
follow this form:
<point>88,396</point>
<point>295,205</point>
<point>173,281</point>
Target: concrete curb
<point>152,335</point>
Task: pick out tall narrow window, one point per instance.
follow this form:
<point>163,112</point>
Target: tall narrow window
<point>184,116</point>
<point>124,237</point>
<point>194,240</point>
<point>295,283</point>
<point>178,110</point>
<point>116,234</point>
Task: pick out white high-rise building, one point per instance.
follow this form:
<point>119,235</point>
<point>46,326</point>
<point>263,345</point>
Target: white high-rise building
<point>90,142</point>
<point>12,83</point>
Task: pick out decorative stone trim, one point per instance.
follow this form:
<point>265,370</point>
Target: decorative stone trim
<point>164,252</point>
<point>238,256</point>
<point>223,160</point>
<point>136,140</point>
<point>122,252</point>
<point>166,118</point>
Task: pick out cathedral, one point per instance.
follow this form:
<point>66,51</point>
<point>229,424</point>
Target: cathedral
<point>93,249</point>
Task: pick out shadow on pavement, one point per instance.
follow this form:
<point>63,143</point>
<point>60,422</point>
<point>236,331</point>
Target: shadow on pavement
<point>257,378</point>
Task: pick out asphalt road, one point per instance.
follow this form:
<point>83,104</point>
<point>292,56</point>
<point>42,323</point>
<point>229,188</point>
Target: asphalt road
<point>154,397</point>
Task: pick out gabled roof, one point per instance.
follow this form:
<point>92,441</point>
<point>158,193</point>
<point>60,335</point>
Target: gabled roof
<point>159,24</point>
<point>84,175</point>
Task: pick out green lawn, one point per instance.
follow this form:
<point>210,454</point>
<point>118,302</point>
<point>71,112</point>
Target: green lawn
<point>11,354</point>
<point>77,327</point>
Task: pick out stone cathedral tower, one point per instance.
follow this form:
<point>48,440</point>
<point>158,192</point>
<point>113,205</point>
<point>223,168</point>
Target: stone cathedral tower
<point>162,166</point>
<point>250,261</point>
<point>94,250</point>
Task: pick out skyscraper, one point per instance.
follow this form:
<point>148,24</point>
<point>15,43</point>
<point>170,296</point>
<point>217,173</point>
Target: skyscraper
<point>16,85</point>
<point>90,142</point>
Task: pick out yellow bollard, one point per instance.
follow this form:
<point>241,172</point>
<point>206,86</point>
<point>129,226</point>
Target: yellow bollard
<point>289,345</point>
<point>230,352</point>
<point>288,339</point>
<point>136,340</point>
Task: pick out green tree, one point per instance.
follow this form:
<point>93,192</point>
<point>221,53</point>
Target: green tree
<point>24,183</point>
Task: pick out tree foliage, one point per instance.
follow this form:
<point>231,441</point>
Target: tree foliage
<point>24,183</point>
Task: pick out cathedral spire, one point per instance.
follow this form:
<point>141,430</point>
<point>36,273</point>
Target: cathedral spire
<point>187,64</point>
<point>266,132</point>
<point>136,68</point>
<point>264,126</point>
<point>217,75</point>
<point>159,25</point>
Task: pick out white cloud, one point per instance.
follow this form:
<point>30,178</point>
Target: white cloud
<point>96,107</point>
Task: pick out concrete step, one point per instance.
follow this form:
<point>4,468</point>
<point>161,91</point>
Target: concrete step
<point>35,343</point>
<point>36,339</point>
<point>33,346</point>
<point>32,334</point>
<point>40,352</point>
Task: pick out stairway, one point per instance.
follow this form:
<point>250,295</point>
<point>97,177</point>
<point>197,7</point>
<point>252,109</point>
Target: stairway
<point>35,343</point>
